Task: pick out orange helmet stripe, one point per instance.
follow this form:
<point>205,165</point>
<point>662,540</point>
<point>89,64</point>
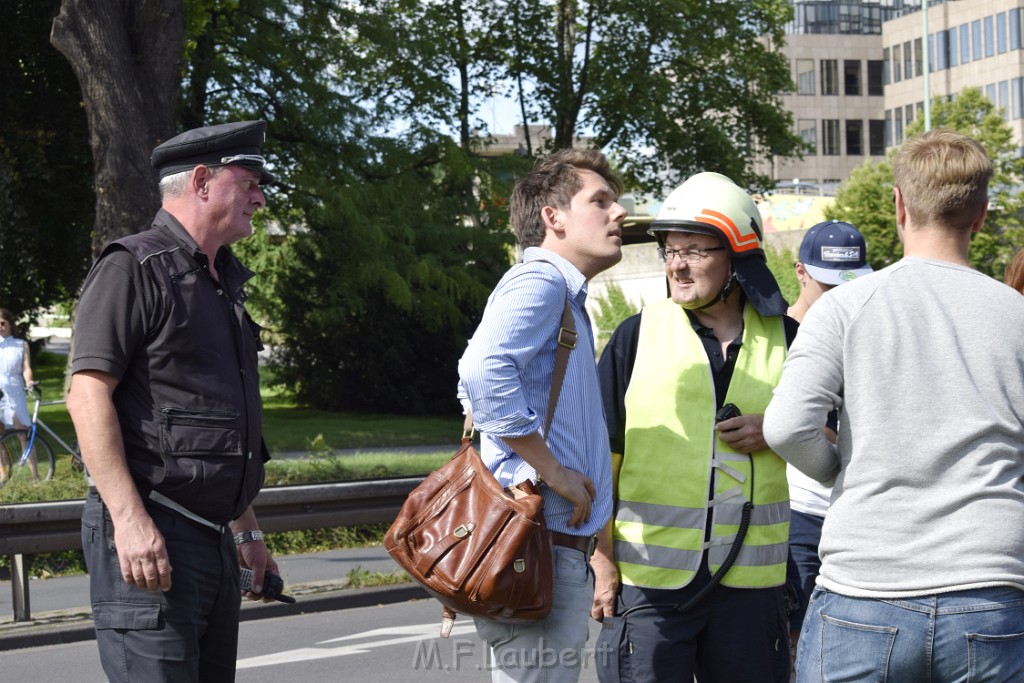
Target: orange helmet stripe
<point>740,242</point>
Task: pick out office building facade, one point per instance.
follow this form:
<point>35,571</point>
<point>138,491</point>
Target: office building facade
<point>858,68</point>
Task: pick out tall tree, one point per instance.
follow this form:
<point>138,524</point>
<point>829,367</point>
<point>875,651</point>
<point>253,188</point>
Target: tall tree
<point>397,235</point>
<point>126,55</point>
<point>46,200</point>
<point>865,200</point>
<point>670,88</point>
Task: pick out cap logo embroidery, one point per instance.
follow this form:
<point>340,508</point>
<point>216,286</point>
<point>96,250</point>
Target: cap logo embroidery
<point>840,254</point>
<point>847,276</point>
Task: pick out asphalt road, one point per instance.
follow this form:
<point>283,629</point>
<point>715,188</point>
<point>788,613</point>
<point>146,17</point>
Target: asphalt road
<point>374,644</point>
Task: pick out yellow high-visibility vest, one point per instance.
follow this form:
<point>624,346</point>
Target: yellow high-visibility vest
<point>672,450</point>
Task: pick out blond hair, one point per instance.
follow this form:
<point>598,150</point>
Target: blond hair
<point>553,182</point>
<point>1014,275</point>
<point>943,177</point>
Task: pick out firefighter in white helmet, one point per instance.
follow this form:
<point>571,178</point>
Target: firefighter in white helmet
<point>690,580</point>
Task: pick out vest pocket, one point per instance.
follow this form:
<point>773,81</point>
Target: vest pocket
<point>187,432</point>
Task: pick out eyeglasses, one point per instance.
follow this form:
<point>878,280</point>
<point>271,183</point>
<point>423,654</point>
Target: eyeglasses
<point>691,256</point>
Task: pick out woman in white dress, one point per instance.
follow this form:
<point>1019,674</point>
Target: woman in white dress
<point>15,375</point>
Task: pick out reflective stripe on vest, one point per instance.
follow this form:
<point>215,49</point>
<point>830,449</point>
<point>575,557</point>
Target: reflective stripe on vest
<point>671,451</point>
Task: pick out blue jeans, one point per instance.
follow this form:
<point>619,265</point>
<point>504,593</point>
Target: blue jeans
<point>551,650</point>
<point>970,636</point>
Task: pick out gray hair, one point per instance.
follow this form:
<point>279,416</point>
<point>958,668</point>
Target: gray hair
<point>174,185</point>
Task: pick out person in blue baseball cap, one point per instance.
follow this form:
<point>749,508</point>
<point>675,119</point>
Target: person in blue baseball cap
<point>831,253</point>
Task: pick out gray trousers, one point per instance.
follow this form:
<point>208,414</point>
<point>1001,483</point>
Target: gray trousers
<point>189,633</point>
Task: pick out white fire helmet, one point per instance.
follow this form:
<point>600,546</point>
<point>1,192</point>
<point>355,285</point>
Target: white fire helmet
<point>712,204</point>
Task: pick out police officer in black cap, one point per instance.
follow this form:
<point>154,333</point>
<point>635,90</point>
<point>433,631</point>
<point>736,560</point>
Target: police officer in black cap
<point>166,405</point>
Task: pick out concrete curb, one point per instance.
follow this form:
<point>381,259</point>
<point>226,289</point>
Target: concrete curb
<point>55,628</point>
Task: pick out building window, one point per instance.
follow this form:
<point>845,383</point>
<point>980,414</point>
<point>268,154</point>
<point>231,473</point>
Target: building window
<point>876,137</point>
<point>990,92</point>
<point>990,42</point>
<point>920,110</point>
<point>805,76</point>
<point>908,114</point>
<point>888,127</point>
<point>976,40</point>
<point>931,53</point>
<point>854,137</point>
<point>897,125</point>
<point>897,66</point>
<point>851,76</point>
<point>808,131</point>
<point>1001,32</point>
<point>885,66</point>
<point>1015,98</point>
<point>908,60</point>
<point>830,77</point>
<point>830,137</point>
<point>875,81</point>
<point>1004,99</point>
<point>951,41</point>
<point>965,44</point>
<point>1015,43</point>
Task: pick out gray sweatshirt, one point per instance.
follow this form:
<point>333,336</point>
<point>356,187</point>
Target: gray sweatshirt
<point>925,361</point>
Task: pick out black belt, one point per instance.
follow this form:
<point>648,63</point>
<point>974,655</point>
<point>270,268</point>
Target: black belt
<point>585,544</point>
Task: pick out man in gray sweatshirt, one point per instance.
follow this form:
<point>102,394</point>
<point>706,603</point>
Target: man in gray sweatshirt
<point>922,575</point>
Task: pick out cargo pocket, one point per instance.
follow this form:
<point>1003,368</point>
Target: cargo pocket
<point>126,616</point>
<point>197,447</point>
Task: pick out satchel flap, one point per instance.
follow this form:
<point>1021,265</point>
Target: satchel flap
<point>429,557</point>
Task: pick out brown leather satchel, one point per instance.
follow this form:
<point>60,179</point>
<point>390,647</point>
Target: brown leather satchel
<point>476,547</point>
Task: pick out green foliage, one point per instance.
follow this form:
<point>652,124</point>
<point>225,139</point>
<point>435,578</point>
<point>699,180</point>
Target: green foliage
<point>865,200</point>
<point>780,262</point>
<point>612,309</point>
<point>361,578</point>
<point>46,190</point>
<point>697,83</point>
<point>319,540</point>
<point>318,468</point>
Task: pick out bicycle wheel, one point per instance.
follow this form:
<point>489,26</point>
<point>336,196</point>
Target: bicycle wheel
<point>39,464</point>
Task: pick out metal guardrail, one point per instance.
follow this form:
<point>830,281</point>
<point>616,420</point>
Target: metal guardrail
<point>30,528</point>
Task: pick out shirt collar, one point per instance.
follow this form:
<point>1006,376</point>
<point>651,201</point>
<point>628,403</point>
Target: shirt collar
<point>227,266</point>
<point>574,279</point>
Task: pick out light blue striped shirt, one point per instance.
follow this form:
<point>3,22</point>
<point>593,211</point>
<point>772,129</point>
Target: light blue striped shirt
<point>505,376</point>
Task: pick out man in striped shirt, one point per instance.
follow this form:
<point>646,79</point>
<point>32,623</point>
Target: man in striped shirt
<point>566,217</point>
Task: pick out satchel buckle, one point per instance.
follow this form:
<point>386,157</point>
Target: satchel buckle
<point>519,566</point>
<point>567,337</point>
<point>461,531</point>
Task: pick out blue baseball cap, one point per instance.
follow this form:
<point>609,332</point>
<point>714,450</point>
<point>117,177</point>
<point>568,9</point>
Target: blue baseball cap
<point>834,252</point>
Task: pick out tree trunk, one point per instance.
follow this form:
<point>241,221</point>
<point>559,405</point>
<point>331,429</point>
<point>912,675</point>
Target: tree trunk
<point>127,56</point>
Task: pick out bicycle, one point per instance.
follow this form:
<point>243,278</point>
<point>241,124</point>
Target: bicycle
<point>26,453</point>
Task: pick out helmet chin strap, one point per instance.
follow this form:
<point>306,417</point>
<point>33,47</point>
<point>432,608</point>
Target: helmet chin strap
<point>730,286</point>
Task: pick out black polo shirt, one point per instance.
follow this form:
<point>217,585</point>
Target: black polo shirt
<point>184,351</point>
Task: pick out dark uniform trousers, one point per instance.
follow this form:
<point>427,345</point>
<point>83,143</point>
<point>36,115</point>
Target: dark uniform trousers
<point>189,633</point>
<point>734,635</point>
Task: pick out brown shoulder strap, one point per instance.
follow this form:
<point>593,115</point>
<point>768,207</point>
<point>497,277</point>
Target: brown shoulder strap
<point>567,337</point>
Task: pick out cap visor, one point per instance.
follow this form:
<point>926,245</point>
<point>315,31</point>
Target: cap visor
<point>836,276</point>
